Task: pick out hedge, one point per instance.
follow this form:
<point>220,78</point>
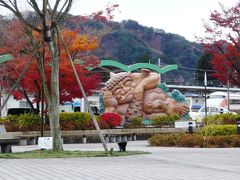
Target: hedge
<point>22,122</point>
<point>219,130</point>
<point>135,122</point>
<point>68,121</point>
<point>165,120</point>
<point>227,118</point>
<point>194,140</point>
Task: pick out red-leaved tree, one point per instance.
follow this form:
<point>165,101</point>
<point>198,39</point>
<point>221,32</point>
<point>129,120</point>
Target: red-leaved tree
<point>17,44</point>
<point>223,42</point>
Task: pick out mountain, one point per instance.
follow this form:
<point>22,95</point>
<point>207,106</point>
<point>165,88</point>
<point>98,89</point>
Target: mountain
<point>129,42</point>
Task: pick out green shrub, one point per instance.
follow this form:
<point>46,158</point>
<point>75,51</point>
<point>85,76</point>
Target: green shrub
<point>165,120</point>
<point>227,118</point>
<point>32,122</point>
<point>181,140</point>
<point>134,122</point>
<point>10,123</point>
<point>28,122</point>
<point>167,140</point>
<point>194,140</point>
<point>190,140</point>
<point>75,121</point>
<point>218,130</point>
<point>66,116</point>
<point>217,119</point>
<point>224,141</point>
<point>9,119</point>
<point>22,122</point>
<point>85,122</point>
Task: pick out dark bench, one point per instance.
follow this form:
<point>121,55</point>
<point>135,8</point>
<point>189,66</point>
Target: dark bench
<point>27,139</point>
<point>6,144</point>
<point>7,140</point>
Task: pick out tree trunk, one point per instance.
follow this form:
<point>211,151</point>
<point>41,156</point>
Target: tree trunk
<point>0,100</point>
<point>53,105</point>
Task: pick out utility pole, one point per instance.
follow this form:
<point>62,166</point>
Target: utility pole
<point>205,90</point>
<point>228,99</point>
<point>159,64</point>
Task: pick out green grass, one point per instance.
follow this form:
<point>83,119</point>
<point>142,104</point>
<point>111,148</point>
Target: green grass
<point>66,154</point>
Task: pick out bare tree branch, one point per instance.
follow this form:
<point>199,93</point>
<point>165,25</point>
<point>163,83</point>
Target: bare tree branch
<point>62,14</point>
<point>14,9</point>
<point>34,5</point>
<point>55,9</point>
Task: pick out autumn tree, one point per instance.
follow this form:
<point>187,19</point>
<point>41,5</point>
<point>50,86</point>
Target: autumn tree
<point>50,15</point>
<point>223,42</point>
<point>32,83</point>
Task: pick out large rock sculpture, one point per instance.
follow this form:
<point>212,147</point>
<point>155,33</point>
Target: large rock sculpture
<point>138,94</point>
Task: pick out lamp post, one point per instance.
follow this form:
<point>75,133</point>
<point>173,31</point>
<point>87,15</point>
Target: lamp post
<point>238,127</point>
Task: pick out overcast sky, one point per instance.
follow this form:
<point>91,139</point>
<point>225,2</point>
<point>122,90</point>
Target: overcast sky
<point>183,17</point>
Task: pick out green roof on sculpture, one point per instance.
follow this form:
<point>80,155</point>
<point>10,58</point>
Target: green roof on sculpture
<point>137,66</point>
<point>5,58</point>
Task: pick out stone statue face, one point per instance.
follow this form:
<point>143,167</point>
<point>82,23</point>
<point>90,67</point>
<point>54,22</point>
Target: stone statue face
<point>124,91</point>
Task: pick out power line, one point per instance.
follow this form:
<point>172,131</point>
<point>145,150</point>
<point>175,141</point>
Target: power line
<point>207,70</point>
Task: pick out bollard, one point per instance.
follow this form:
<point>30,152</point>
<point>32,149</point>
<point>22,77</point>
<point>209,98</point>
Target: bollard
<point>129,137</point>
<point>106,139</point>
<point>134,137</point>
<point>238,127</point>
<point>84,140</point>
<point>190,127</point>
<point>31,141</point>
<point>113,139</point>
<point>23,142</point>
<point>119,138</point>
<point>124,138</point>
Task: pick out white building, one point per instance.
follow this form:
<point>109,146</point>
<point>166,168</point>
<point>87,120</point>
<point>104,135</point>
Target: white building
<point>77,104</point>
<point>80,105</point>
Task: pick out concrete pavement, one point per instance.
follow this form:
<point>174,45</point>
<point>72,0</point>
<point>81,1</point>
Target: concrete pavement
<point>163,163</point>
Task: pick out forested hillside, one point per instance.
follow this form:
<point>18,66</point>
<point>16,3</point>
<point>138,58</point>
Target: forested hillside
<point>129,42</point>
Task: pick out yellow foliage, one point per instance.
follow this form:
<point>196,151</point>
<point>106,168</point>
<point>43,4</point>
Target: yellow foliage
<point>78,42</point>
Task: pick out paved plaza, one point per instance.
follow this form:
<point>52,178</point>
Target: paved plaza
<point>163,163</point>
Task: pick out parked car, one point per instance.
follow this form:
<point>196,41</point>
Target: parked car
<point>94,109</point>
<point>213,111</point>
<point>18,111</point>
<point>210,112</point>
